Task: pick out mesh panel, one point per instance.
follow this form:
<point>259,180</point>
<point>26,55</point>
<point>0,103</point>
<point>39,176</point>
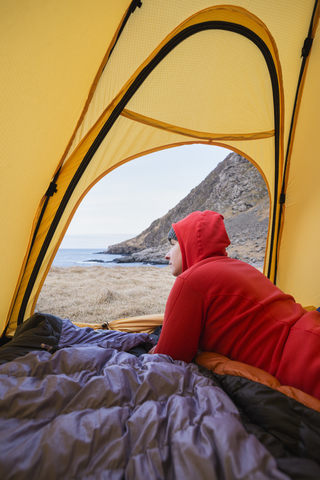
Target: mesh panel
<point>214,81</point>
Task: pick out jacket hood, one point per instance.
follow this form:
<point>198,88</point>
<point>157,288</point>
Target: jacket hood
<point>201,235</point>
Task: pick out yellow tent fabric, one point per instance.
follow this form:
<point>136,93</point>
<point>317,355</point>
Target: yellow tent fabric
<point>88,86</point>
<point>143,323</point>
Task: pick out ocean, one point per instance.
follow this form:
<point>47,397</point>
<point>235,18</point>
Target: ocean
<point>88,257</point>
<point>84,251</point>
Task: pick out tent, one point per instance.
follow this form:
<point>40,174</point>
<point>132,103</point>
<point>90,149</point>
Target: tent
<point>87,86</point>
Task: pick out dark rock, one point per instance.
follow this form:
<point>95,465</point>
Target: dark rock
<point>124,259</point>
<point>95,261</point>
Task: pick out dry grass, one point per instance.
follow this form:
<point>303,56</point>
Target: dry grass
<point>99,294</point>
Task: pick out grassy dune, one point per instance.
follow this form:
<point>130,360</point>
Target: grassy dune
<point>99,294</point>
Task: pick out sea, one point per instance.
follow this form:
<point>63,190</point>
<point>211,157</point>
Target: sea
<point>86,251</point>
<point>88,257</point>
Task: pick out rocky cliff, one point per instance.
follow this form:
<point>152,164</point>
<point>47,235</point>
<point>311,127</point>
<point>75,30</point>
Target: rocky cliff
<point>234,188</point>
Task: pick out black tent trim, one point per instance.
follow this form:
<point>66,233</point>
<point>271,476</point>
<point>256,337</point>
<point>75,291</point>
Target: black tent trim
<point>166,49</point>
<point>134,4</point>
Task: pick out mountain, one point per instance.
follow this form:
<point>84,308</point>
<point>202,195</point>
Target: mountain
<point>235,189</point>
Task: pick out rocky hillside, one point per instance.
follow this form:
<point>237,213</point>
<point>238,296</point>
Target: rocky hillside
<point>234,188</point>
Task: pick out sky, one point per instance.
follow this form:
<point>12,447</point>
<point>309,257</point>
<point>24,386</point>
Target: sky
<point>126,201</point>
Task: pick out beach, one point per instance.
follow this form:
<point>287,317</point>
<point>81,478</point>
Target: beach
<point>97,294</point>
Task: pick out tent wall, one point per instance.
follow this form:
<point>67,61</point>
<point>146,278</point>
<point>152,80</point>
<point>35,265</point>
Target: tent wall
<point>219,85</point>
<point>44,87</point>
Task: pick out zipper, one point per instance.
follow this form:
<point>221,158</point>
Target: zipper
<point>166,49</point>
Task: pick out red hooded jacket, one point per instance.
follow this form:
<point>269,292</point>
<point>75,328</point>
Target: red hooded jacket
<point>223,305</point>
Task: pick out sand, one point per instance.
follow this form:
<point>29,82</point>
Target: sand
<point>99,294</point>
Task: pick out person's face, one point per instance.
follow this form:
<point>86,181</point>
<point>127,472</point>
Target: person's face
<point>175,258</point>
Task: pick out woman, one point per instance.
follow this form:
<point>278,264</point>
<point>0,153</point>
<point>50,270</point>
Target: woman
<point>223,305</point>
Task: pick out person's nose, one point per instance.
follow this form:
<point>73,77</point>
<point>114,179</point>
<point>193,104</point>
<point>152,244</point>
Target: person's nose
<point>167,257</point>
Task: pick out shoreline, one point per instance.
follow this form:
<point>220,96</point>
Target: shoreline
<point>88,257</point>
